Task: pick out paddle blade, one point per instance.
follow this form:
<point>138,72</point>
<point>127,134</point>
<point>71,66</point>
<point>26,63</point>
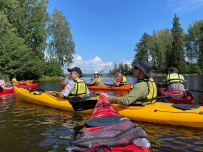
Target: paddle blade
<point>84,105</point>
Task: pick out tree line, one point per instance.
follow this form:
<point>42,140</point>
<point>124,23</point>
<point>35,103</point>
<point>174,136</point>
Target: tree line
<point>33,42</point>
<point>173,48</point>
<point>170,48</point>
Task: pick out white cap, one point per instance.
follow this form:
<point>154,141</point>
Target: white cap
<point>95,72</point>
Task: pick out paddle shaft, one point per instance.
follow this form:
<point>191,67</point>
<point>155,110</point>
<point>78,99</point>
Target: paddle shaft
<point>196,90</point>
<point>90,104</point>
<point>43,90</point>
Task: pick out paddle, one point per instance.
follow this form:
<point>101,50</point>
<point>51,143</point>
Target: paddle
<point>52,93</point>
<point>90,104</point>
<point>81,103</point>
<point>195,90</point>
<point>171,96</point>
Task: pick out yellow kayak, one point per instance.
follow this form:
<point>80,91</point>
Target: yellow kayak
<point>46,99</point>
<point>163,113</point>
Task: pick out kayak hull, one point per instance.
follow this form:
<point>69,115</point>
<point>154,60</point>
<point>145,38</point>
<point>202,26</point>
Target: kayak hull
<point>104,87</point>
<point>7,91</point>
<point>180,99</point>
<point>163,113</point>
<point>46,99</point>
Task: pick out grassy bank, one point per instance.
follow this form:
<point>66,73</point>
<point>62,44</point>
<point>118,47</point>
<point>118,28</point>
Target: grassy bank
<point>45,78</point>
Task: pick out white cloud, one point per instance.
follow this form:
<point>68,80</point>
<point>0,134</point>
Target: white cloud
<point>182,6</point>
<point>128,62</point>
<point>89,66</point>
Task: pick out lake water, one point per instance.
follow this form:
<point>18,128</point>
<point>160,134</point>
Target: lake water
<point>27,127</point>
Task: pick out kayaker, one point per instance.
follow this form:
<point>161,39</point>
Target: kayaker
<point>174,81</point>
<point>14,79</point>
<point>1,83</point>
<point>142,92</point>
<point>75,86</point>
<point>121,79</point>
<point>96,80</point>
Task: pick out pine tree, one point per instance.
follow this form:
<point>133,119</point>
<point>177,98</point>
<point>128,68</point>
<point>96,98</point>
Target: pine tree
<point>176,56</point>
<point>142,48</point>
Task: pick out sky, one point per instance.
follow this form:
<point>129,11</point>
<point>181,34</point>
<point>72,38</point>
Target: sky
<point>105,31</point>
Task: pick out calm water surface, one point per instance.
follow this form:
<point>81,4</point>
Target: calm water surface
<point>29,127</point>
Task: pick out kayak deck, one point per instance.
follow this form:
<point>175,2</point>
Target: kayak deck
<point>106,129</point>
<point>183,98</point>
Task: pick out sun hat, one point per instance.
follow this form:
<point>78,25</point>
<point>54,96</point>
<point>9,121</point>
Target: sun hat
<point>144,66</point>
<point>76,69</point>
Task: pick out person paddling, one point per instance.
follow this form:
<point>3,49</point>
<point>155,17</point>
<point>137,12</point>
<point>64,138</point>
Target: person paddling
<point>121,79</point>
<point>142,92</point>
<point>96,80</point>
<point>75,86</point>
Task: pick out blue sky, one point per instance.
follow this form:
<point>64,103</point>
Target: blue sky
<point>106,31</point>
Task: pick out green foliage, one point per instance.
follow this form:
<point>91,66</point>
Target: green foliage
<point>176,56</point>
<point>143,48</point>
<point>61,44</point>
<point>193,42</point>
<point>192,68</point>
<point>52,68</point>
<point>15,57</point>
<point>165,48</point>
<point>23,38</point>
<point>126,70</point>
<point>45,78</point>
<point>160,45</point>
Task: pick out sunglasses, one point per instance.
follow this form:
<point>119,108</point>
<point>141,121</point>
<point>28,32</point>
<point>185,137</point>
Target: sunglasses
<point>135,68</point>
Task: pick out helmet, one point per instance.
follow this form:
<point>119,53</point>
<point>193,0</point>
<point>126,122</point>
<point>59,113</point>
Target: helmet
<point>95,72</point>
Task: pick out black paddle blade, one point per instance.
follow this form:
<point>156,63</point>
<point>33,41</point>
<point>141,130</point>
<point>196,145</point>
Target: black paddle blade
<point>84,105</point>
<point>1,89</point>
<point>185,106</point>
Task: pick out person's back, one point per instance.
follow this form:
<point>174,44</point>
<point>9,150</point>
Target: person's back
<point>14,79</point>
<point>174,81</point>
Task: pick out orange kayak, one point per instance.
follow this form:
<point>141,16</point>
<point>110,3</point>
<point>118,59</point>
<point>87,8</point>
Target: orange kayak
<point>21,82</point>
<point>104,87</point>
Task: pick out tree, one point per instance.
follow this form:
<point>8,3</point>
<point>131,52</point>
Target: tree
<point>142,48</point>
<point>176,56</point>
<point>15,57</point>
<point>29,17</point>
<point>160,44</point>
<point>52,68</point>
<point>61,45</point>
<point>192,41</point>
<point>200,56</point>
<point>120,66</point>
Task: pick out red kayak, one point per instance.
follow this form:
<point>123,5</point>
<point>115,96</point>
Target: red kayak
<point>179,96</point>
<point>107,131</point>
<point>6,91</point>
